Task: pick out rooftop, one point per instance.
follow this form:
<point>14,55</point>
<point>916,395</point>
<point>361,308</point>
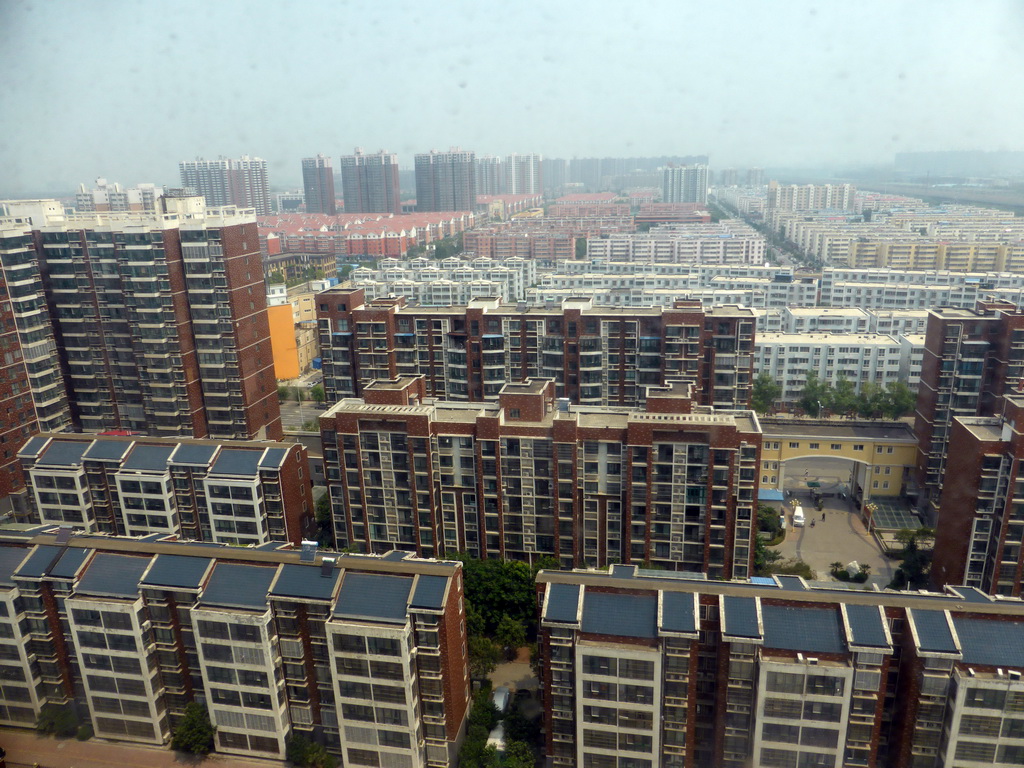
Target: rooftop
<point>618,614</point>
<point>374,597</point>
<point>149,458</point>
<point>892,431</point>
<point>305,582</point>
<point>812,630</point>
<point>178,571</point>
<point>236,585</point>
<point>111,575</point>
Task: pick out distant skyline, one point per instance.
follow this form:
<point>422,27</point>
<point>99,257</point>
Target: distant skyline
<point>127,90</point>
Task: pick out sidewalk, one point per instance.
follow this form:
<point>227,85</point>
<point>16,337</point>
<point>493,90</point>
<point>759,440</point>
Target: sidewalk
<point>24,748</point>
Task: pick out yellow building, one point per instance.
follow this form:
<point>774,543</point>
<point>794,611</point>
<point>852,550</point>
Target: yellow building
<point>879,455</point>
<point>283,341</point>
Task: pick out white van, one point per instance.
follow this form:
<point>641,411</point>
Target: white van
<point>798,517</point>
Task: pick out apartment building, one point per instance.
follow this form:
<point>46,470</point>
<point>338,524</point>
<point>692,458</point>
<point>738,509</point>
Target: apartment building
<point>318,185</point>
<point>450,281</point>
<point>113,197</point>
<point>684,184</point>
<point>860,358</point>
<point>598,356</point>
<point>980,526</point>
<point>366,655</point>
<point>645,284</point>
<point>240,493</point>
<point>241,182</point>
<point>642,669</point>
<point>159,322</point>
<point>18,417</point>
<point>726,242</point>
<point>971,359</point>
<point>522,240</point>
<point>811,197</point>
<point>524,174</point>
<point>30,336</point>
<point>370,182</point>
<point>945,238</point>
<point>446,181</point>
<point>673,484</point>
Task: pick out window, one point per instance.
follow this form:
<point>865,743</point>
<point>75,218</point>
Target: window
<point>784,682</point>
<point>794,445</point>
<point>814,446</point>
<point>837,446</point>
<point>636,669</point>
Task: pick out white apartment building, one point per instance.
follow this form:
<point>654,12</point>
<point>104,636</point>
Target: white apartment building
<point>726,242</point>
<point>448,281</point>
<point>858,357</point>
<point>911,358</point>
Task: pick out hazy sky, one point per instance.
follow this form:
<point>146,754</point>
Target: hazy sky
<point>127,89</point>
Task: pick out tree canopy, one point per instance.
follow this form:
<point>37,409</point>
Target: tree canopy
<point>194,733</point>
<point>892,401</point>
<point>498,588</point>
<point>765,392</point>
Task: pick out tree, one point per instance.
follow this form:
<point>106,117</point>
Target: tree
<point>814,395</point>
<point>499,587</point>
<point>898,400</point>
<point>869,400</point>
<point>764,558</point>
<point>304,753</point>
<point>299,395</point>
<point>843,399</point>
<point>282,392</point>
<point>915,562</point>
<point>318,394</point>
<point>519,728</point>
<point>519,754</point>
<point>324,521</point>
<point>484,655</point>
<point>57,721</point>
<point>581,247</point>
<point>765,392</point>
<point>194,733</point>
<point>511,635</point>
<point>768,520</point>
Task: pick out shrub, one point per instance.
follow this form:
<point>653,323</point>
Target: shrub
<point>57,721</point>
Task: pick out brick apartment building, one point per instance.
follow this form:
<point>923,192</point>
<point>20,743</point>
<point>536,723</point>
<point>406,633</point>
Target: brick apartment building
<point>596,355</point>
<point>159,321</point>
<point>366,655</point>
<point>971,358</point>
<point>529,476</point>
<point>240,493</point>
<point>18,418</point>
<point>644,669</point>
<point>980,529</point>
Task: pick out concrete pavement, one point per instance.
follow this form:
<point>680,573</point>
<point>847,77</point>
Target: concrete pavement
<point>25,748</point>
<point>840,536</point>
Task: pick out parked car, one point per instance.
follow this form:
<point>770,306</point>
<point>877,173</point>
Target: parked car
<point>798,517</point>
<point>500,698</point>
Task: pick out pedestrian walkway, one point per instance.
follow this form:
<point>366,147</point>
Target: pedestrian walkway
<point>25,748</point>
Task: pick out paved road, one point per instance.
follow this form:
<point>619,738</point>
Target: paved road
<point>24,748</point>
<point>293,416</point>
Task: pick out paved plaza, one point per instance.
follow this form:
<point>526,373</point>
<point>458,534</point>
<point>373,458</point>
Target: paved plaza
<point>841,536</point>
